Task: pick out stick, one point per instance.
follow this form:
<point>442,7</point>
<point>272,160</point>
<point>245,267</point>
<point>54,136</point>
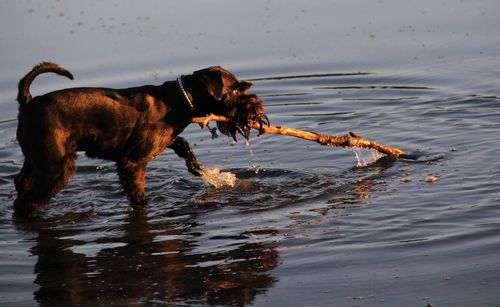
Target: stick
<point>350,140</point>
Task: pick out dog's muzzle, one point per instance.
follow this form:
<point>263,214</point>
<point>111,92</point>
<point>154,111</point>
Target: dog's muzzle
<point>243,109</point>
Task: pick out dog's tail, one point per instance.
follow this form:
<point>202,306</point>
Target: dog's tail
<point>24,95</point>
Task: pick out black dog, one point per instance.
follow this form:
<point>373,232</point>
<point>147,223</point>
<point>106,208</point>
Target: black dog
<point>130,126</point>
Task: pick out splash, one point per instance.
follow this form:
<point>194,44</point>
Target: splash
<point>218,178</point>
<point>364,156</point>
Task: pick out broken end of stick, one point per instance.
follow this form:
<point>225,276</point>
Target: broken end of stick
<point>409,156</point>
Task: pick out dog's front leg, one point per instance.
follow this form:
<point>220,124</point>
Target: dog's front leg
<point>182,149</point>
<point>133,179</point>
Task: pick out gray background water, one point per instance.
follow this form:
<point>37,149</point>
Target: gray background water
<point>305,226</point>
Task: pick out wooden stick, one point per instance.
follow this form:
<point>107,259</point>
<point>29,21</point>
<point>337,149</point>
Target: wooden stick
<point>350,140</point>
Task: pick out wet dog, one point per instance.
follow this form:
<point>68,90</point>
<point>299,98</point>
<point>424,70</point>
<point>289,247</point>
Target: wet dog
<point>130,126</point>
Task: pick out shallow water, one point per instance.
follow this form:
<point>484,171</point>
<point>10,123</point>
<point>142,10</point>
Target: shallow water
<point>303,225</point>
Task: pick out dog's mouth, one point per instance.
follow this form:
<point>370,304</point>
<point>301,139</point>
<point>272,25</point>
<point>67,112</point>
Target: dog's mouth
<point>243,110</point>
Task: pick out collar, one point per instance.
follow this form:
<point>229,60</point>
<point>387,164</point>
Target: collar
<point>183,93</point>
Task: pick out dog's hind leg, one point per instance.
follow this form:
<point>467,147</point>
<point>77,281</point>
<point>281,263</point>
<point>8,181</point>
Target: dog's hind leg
<point>46,182</point>
<point>133,179</point>
<point>182,149</point>
<point>24,179</point>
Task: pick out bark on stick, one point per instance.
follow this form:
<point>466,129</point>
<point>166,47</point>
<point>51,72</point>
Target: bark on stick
<point>348,140</point>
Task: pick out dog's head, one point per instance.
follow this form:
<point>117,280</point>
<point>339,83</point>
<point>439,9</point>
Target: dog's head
<point>223,94</point>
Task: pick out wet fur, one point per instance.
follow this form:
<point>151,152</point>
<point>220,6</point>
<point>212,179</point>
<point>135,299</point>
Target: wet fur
<point>130,126</point>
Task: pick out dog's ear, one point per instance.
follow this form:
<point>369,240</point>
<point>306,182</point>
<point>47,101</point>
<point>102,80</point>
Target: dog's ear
<point>244,85</point>
<point>220,82</point>
<point>212,79</point>
<point>213,84</point>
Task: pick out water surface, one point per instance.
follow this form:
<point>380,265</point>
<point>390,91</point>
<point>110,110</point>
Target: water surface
<point>304,225</point>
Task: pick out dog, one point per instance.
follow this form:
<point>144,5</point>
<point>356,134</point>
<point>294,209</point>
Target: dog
<point>129,126</point>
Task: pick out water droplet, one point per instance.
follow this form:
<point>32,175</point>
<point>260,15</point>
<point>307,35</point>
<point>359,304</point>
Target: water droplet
<point>256,168</point>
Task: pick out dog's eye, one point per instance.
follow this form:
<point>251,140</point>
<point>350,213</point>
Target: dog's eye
<point>235,92</point>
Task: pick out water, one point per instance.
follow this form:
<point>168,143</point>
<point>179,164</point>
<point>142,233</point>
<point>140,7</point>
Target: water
<point>303,225</point>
